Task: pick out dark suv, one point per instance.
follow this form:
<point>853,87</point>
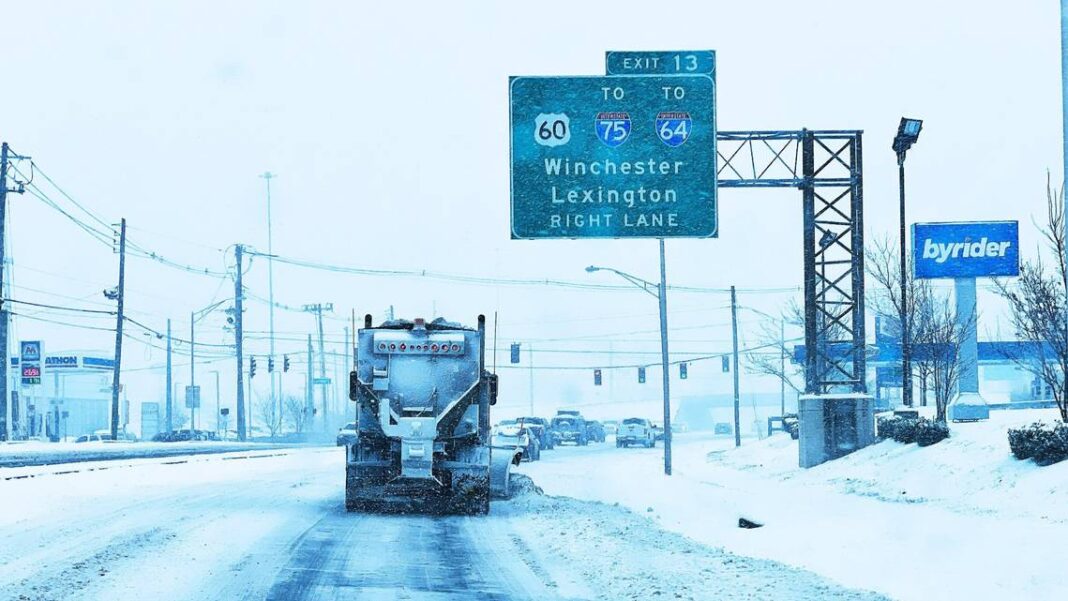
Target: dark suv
<point>570,428</point>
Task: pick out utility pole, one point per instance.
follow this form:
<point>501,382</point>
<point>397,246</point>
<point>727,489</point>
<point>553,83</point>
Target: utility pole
<point>734,337</point>
<point>318,309</point>
<point>120,291</point>
<point>268,176</point>
<point>530,368</point>
<point>170,383</point>
<point>6,410</point>
<point>192,371</point>
<point>662,298</point>
<point>308,404</point>
<point>322,365</point>
<point>239,293</point>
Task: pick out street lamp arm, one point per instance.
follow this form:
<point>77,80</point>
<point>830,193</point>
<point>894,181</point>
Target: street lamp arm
<point>651,288</point>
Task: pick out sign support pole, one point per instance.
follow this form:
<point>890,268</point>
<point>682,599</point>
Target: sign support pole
<point>968,404</point>
<point>662,297</point>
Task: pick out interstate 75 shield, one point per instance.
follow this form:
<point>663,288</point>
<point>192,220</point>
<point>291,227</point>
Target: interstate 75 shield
<point>613,128</point>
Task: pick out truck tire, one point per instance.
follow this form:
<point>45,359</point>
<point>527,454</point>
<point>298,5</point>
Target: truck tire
<point>619,444</point>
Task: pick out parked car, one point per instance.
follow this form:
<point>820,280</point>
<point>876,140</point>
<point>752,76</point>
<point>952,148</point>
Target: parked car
<point>611,426</point>
<point>347,434</point>
<point>658,431</point>
<point>517,437</point>
<point>570,428</point>
<point>105,435</point>
<point>184,435</point>
<point>790,423</point>
<point>595,431</point>
<point>636,431</point>
<point>722,428</point>
<point>545,436</point>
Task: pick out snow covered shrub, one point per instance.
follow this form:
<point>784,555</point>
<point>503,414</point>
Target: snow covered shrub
<point>905,430</point>
<point>1023,442</point>
<point>1045,443</point>
<point>928,432</point>
<point>1054,445</point>
<point>885,426</point>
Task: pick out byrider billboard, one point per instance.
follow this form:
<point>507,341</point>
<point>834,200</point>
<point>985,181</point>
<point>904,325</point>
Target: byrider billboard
<point>966,249</point>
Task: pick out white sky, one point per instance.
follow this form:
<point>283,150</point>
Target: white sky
<point>387,127</point>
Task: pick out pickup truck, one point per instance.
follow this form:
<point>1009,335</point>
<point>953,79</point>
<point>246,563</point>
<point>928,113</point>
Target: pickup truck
<point>635,431</point>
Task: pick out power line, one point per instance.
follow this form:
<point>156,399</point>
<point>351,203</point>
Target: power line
<point>488,281</point>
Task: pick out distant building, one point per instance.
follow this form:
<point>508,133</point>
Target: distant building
<point>73,398</point>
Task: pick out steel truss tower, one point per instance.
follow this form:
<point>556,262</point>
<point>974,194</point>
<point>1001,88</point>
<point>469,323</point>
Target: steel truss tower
<point>827,167</point>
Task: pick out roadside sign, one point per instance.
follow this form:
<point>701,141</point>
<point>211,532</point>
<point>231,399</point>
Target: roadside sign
<point>30,354</point>
<point>323,381</point>
<point>613,157</point>
<point>192,397</point>
<point>30,350</point>
<point>150,420</point>
<point>665,62</point>
<point>966,249</point>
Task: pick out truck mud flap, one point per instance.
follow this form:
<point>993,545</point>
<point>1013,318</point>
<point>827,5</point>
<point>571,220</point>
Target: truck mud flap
<point>501,461</point>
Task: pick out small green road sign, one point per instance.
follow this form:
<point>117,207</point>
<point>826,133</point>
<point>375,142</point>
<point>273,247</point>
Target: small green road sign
<point>665,62</point>
<point>321,381</point>
<point>613,157</point>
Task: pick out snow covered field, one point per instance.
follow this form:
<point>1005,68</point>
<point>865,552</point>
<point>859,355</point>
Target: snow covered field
<point>952,521</point>
<point>271,525</point>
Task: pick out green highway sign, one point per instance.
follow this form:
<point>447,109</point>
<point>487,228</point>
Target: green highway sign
<point>613,157</point>
<point>667,62</point>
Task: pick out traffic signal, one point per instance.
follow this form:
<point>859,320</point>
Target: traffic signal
<point>285,362</point>
<point>726,364</point>
<point>596,377</point>
<point>515,352</point>
<point>252,367</point>
<point>641,375</point>
<point>270,364</point>
<point>682,371</point>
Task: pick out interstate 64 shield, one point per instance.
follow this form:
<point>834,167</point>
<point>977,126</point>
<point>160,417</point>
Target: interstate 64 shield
<point>613,157</point>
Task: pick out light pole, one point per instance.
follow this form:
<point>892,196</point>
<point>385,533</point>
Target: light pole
<point>268,176</point>
<point>660,292</point>
<point>216,372</point>
<point>908,131</point>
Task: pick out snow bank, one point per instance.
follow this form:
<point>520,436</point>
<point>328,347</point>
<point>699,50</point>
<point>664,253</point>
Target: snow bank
<point>960,520</point>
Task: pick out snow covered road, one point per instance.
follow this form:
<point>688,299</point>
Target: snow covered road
<point>272,526</point>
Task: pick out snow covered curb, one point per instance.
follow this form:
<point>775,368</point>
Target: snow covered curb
<point>32,454</point>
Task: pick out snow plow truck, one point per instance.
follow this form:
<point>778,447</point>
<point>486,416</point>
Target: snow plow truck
<point>423,398</point>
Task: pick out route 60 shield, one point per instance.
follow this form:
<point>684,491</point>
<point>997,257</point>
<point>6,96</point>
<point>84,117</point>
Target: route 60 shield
<point>612,128</point>
<point>673,127</point>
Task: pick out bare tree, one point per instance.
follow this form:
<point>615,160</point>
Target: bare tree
<point>940,334</point>
<point>882,261</point>
<point>772,355</point>
<point>270,414</point>
<point>297,413</point>
<point>1037,307</point>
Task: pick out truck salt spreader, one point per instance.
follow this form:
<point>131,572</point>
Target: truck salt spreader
<point>423,427</point>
